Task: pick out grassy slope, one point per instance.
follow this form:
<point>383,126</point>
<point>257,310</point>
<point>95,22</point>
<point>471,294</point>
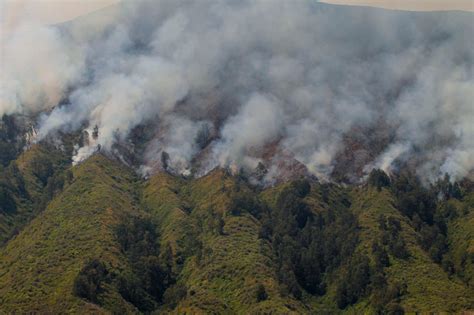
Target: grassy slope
<point>428,287</point>
<point>324,304</point>
<point>11,223</point>
<point>232,264</point>
<point>161,198</point>
<point>461,239</point>
<point>38,267</point>
<point>24,163</point>
<point>216,281</point>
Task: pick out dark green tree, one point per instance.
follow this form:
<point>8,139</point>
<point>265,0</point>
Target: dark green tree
<point>378,179</point>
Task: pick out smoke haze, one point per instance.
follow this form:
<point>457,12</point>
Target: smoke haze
<point>223,81</point>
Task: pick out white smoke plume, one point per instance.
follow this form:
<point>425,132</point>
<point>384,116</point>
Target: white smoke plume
<point>296,75</point>
<point>37,67</point>
<point>385,161</point>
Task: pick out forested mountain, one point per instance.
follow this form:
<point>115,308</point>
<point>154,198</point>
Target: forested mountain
<point>97,238</point>
<point>238,157</point>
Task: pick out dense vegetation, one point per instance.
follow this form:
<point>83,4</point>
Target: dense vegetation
<point>95,238</point>
<point>10,145</point>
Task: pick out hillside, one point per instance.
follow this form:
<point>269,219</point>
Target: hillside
<point>39,265</point>
<point>238,157</point>
<point>107,241</point>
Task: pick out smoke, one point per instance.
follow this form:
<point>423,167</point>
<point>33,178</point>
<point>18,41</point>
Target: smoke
<point>37,65</point>
<point>259,76</point>
<point>258,122</point>
<point>385,161</point>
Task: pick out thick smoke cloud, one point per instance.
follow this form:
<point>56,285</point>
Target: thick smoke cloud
<point>279,76</point>
<point>38,65</point>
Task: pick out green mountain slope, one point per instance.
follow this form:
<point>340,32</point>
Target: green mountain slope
<point>461,240</point>
<point>427,286</point>
<point>38,266</point>
<point>225,261</point>
<point>27,184</point>
<point>109,242</point>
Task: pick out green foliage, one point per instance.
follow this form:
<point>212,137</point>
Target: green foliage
<point>380,256</point>
<point>354,282</point>
<point>174,294</point>
<point>216,244</point>
<point>392,237</point>
<point>378,179</point>
<point>242,202</point>
<point>88,283</point>
<point>10,140</point>
<point>261,293</point>
<point>137,237</point>
<point>7,152</point>
<point>129,286</point>
<point>144,287</point>
<point>308,245</point>
<point>386,296</point>
<point>445,189</point>
<point>7,203</point>
<point>413,198</point>
<point>23,194</point>
<point>41,264</point>
<point>203,137</point>
<point>42,168</point>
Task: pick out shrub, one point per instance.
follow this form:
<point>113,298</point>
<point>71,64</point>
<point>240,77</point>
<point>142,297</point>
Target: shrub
<point>7,203</point>
<point>261,293</point>
<point>378,179</point>
<point>87,284</point>
<point>174,294</point>
<point>42,168</point>
<point>354,282</point>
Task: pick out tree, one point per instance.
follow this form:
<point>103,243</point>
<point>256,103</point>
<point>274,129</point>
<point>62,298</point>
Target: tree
<point>203,136</point>
<point>7,203</point>
<point>445,189</point>
<point>302,187</point>
<point>95,132</point>
<point>165,158</point>
<point>399,249</point>
<point>325,190</point>
<point>261,293</point>
<point>354,282</point>
<point>378,179</point>
<point>242,201</point>
<point>412,197</point>
<point>10,145</point>
<point>42,168</point>
<point>174,294</point>
<point>88,284</point>
<point>380,256</point>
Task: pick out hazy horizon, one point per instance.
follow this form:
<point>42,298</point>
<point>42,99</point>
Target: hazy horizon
<point>51,12</point>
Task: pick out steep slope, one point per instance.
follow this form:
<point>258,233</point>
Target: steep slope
<point>27,184</point>
<point>38,267</point>
<point>461,239</point>
<point>161,198</point>
<point>399,274</point>
<point>108,242</point>
<point>426,286</point>
<point>229,269</point>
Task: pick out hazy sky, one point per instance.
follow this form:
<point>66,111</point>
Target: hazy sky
<point>46,11</point>
<point>412,5</point>
<point>55,11</point>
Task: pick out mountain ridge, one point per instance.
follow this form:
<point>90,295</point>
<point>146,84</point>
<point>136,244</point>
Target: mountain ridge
<point>217,247</point>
